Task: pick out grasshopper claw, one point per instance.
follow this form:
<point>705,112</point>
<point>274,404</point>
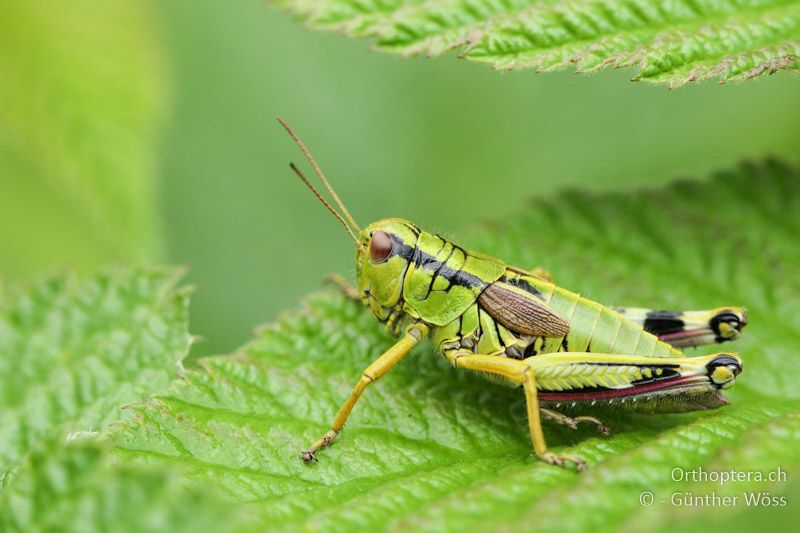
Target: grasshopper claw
<point>601,427</point>
<point>561,460</point>
<point>308,457</point>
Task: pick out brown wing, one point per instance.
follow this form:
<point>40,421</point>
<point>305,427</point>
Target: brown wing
<point>521,311</point>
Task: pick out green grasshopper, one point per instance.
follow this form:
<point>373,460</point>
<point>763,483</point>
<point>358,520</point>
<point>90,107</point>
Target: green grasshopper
<point>518,327</point>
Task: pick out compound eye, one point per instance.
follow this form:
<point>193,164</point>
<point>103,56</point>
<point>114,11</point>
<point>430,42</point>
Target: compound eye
<point>380,247</point>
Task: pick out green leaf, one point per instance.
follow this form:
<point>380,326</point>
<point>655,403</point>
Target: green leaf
<point>774,443</point>
<point>431,448</point>
<point>666,42</point>
<point>82,98</point>
<point>76,487</point>
<point>74,351</point>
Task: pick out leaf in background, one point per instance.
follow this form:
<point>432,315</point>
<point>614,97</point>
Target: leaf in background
<point>74,487</point>
<point>772,444</point>
<point>431,448</point>
<point>667,42</point>
<point>74,351</point>
<point>81,101</point>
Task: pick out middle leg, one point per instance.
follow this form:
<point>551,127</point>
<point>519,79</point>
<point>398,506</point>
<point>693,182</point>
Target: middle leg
<point>521,373</point>
<point>573,421</point>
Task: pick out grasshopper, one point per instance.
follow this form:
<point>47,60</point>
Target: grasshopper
<point>518,327</point>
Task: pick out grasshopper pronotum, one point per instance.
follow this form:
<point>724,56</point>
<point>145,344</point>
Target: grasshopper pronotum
<point>518,326</point>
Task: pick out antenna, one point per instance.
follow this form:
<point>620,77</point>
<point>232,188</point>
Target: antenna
<point>324,202</point>
<point>318,170</point>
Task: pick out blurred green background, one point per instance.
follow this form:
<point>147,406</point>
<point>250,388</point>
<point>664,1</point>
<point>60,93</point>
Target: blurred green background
<point>146,131</point>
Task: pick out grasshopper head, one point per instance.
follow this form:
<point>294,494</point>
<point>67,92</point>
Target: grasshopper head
<point>383,249</point>
<point>382,256</point>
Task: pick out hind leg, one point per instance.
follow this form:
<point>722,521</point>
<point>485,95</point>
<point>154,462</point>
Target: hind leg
<point>690,328</point>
